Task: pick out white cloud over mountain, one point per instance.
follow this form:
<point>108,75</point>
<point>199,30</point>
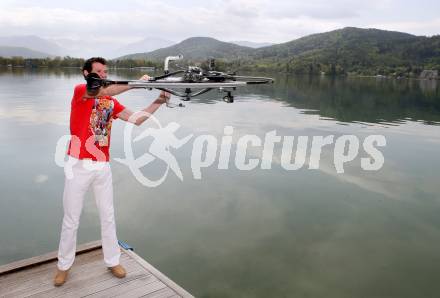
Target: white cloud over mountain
<point>258,21</point>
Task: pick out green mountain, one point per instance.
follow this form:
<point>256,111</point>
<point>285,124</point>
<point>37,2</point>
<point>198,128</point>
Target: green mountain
<point>344,51</point>
<point>352,50</point>
<point>7,51</point>
<point>349,37</point>
<point>197,48</point>
<point>347,50</point>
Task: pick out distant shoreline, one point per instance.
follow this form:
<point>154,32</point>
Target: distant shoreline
<point>379,77</point>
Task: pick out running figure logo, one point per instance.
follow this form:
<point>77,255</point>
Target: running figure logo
<point>164,138</point>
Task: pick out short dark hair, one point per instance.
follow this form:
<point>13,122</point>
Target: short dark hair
<point>89,63</point>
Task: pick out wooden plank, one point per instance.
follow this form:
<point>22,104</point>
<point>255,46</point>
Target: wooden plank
<point>89,287</point>
<point>162,293</point>
<point>142,290</point>
<point>32,272</point>
<point>34,277</point>
<point>125,288</point>
<point>30,275</point>
<point>77,282</point>
<point>179,290</point>
<point>38,280</point>
<point>45,281</point>
<point>18,265</point>
<point>94,287</point>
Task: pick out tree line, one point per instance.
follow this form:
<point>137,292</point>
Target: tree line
<point>307,64</point>
<point>63,62</point>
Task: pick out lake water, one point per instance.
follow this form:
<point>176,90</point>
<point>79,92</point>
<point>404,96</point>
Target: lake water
<point>257,233</point>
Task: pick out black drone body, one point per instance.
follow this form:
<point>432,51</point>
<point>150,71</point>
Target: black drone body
<point>190,82</point>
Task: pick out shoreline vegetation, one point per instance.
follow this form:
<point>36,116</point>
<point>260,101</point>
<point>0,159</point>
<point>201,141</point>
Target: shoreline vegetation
<point>413,72</point>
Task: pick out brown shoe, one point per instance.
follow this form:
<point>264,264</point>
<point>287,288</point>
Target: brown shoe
<point>60,277</point>
<point>118,271</point>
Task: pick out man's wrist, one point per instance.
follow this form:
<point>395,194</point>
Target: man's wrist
<point>160,100</point>
<point>163,98</point>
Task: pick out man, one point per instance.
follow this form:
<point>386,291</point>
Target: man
<point>90,128</point>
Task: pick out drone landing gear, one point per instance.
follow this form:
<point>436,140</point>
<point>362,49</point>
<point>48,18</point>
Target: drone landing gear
<point>228,97</point>
<point>187,96</point>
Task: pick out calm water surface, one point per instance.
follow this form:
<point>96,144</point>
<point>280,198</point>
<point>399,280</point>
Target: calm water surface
<point>258,233</point>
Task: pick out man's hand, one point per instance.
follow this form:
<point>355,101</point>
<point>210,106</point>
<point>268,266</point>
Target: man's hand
<point>164,97</point>
<point>145,77</point>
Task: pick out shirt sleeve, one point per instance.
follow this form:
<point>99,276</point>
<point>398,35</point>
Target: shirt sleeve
<point>79,92</point>
<point>117,108</point>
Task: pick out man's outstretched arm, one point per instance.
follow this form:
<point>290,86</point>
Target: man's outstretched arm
<point>139,117</point>
<point>113,90</point>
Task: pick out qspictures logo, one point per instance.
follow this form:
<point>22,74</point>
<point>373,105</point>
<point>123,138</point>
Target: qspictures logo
<point>249,152</point>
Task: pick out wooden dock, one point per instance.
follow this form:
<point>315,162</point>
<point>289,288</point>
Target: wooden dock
<point>88,277</point>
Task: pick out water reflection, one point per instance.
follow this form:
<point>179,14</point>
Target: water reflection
<point>261,233</point>
<point>360,99</point>
<point>348,100</point>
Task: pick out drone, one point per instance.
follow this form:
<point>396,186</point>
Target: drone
<point>185,83</point>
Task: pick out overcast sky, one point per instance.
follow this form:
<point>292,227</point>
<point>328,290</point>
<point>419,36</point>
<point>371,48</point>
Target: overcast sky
<point>254,20</point>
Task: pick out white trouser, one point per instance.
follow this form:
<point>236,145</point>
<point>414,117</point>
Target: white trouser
<point>78,179</point>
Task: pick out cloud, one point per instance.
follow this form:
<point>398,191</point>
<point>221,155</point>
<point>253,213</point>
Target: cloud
<point>259,21</point>
<point>243,8</point>
<point>423,27</point>
<point>313,9</point>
